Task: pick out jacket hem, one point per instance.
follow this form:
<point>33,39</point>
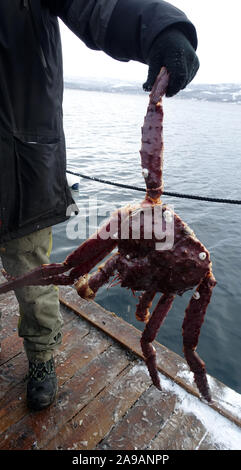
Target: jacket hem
<point>31,228</point>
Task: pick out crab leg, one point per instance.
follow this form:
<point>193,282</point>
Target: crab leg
<point>192,323</point>
<point>150,332</point>
<point>152,139</point>
<point>47,274</point>
<point>88,285</point>
<point>142,309</point>
<point>79,262</point>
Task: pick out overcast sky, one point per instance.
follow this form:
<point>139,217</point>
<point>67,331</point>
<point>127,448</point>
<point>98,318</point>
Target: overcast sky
<point>219,50</point>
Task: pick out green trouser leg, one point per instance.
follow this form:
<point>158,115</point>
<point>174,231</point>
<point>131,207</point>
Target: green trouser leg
<point>40,319</point>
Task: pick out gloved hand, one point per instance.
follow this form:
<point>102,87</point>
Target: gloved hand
<point>173,50</point>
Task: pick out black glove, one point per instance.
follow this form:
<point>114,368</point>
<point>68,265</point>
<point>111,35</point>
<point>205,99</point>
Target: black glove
<point>173,50</point>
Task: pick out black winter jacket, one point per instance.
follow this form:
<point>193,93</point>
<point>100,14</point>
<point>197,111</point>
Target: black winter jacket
<point>33,188</point>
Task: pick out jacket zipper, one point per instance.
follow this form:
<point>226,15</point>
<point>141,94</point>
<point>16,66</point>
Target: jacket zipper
<point>27,4</point>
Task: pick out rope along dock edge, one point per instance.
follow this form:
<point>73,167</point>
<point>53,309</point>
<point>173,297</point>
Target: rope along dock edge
<point>165,193</point>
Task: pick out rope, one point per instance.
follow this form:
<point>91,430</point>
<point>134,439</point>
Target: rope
<point>165,193</point>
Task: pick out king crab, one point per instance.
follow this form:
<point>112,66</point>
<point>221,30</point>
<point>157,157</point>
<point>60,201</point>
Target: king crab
<point>143,262</point>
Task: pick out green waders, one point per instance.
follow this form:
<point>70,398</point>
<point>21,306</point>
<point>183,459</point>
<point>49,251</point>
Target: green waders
<point>40,319</point>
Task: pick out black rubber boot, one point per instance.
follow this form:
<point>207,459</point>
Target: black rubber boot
<point>42,384</point>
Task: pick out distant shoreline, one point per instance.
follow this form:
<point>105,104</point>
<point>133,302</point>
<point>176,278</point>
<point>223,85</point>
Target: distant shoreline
<point>224,93</point>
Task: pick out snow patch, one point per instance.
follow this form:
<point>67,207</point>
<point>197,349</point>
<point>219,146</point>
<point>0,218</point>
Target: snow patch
<point>223,433</point>
<point>228,398</point>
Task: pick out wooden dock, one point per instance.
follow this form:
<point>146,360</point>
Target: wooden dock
<point>105,399</point>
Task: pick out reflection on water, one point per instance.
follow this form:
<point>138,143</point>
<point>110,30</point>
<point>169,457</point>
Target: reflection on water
<point>202,156</point>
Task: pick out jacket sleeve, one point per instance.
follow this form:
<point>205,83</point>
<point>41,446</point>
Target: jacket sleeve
<point>124,29</point>
<point>135,24</point>
<point>87,19</point>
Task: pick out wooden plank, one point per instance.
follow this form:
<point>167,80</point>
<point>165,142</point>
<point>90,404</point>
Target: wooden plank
<point>79,352</point>
<point>169,364</point>
<point>208,444</point>
<point>12,372</point>
<point>36,430</point>
<point>11,343</point>
<point>181,432</point>
<point>11,347</point>
<point>12,408</point>
<point>101,403</point>
<point>15,368</point>
<point>85,351</point>
<point>10,313</point>
<point>67,314</point>
<point>141,423</point>
<point>121,331</point>
<point>98,417</point>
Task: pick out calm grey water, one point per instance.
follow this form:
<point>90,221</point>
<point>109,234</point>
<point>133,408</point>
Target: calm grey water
<point>202,156</point>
